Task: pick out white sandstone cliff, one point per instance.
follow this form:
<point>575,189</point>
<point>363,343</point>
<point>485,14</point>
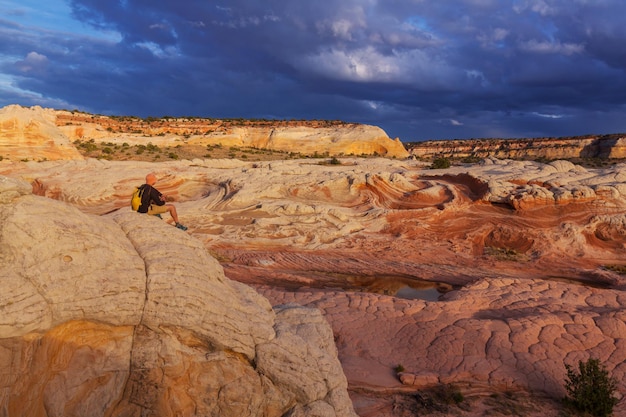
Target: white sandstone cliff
<point>46,134</point>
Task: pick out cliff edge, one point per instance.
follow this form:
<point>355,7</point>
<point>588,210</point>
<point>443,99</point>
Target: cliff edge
<point>592,146</point>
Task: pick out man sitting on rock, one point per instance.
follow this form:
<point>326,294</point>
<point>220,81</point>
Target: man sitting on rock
<point>153,202</point>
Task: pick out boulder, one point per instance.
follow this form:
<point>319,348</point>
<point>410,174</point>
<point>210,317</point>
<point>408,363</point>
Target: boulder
<point>126,315</point>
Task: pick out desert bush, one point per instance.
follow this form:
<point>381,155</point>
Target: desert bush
<point>443,398</point>
<point>502,254</point>
<point>440,163</point>
<point>152,148</point>
<point>590,389</point>
<point>620,269</point>
<point>471,159</point>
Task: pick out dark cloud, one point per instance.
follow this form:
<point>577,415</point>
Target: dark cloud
<point>418,69</point>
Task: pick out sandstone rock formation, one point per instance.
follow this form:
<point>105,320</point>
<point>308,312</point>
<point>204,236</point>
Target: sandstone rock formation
<point>126,315</point>
<point>46,134</point>
<point>601,146</point>
<point>31,133</point>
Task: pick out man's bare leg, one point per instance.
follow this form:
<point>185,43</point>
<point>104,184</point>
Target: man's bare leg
<point>172,210</point>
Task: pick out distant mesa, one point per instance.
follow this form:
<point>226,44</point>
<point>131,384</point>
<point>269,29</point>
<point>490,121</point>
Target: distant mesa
<point>591,146</point>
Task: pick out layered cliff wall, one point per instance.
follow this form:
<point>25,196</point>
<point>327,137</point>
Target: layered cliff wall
<point>606,147</point>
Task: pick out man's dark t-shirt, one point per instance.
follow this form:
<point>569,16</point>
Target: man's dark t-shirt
<point>150,196</point>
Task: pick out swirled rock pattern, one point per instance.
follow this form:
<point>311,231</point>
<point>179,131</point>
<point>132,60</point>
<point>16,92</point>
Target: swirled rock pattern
<point>524,259</point>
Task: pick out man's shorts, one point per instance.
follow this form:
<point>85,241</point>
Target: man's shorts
<point>154,209</point>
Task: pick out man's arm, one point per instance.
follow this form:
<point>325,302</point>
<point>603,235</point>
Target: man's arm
<point>157,197</point>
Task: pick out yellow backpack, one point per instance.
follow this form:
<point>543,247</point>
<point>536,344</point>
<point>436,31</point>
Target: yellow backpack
<point>135,200</point>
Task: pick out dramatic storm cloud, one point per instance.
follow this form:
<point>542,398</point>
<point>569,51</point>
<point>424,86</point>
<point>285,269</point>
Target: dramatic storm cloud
<point>419,69</point>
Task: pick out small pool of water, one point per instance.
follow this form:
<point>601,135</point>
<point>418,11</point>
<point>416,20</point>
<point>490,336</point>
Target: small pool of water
<point>426,294</point>
<point>400,287</point>
<point>409,288</point>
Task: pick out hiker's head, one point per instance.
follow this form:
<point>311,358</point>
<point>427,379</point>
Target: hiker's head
<point>150,179</point>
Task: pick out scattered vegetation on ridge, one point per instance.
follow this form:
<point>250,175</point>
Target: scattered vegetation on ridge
<point>151,152</point>
<point>194,125</point>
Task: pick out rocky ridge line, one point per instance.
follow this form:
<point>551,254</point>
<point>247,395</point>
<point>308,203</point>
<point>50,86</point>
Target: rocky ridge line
<point>585,147</point>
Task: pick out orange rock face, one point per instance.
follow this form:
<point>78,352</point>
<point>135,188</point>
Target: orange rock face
<point>31,134</point>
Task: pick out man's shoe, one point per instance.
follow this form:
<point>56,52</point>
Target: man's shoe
<point>180,226</point>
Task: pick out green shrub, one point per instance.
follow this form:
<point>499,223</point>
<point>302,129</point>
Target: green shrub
<point>440,163</point>
<point>590,388</point>
<point>152,148</point>
<point>471,159</point>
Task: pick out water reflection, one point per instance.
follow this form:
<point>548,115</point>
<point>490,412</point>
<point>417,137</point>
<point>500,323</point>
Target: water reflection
<point>409,288</point>
<point>426,294</point>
